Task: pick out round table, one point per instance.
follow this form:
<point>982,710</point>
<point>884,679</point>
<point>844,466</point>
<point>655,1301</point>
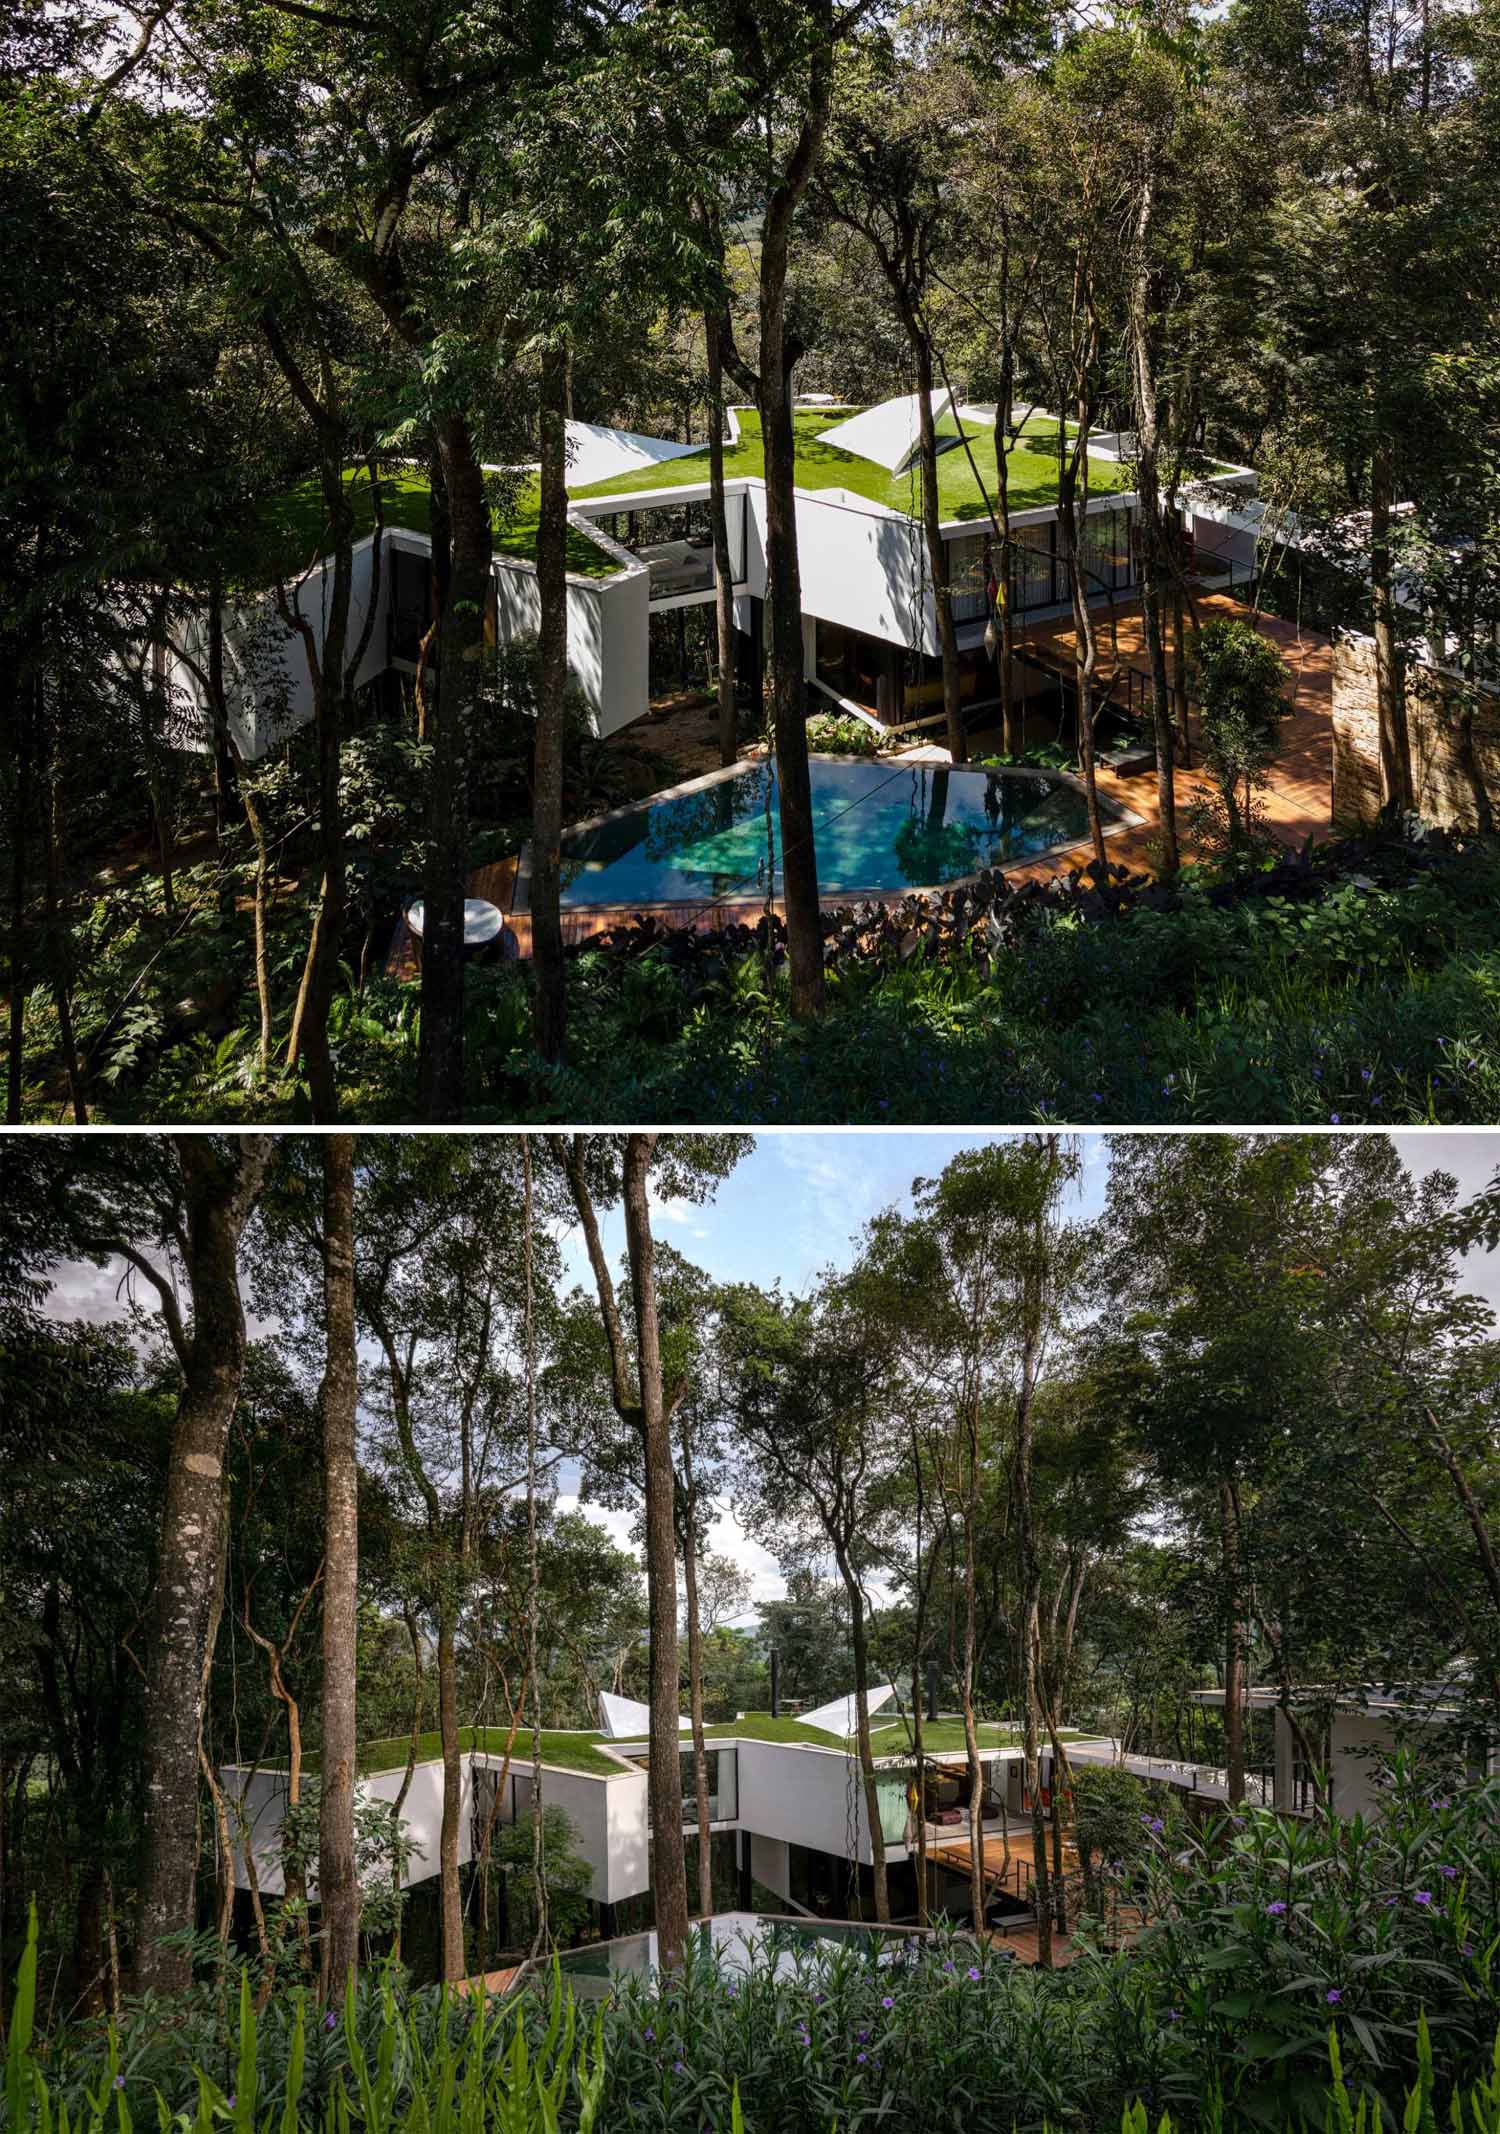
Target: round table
<point>483,923</point>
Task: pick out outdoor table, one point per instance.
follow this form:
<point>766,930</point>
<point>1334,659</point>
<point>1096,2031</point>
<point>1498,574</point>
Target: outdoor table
<point>484,924</point>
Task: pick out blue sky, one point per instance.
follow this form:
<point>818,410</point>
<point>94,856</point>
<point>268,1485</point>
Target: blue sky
<point>797,1203</point>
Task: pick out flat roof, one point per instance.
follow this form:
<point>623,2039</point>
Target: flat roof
<point>1032,467</point>
<point>596,1755</point>
<point>295,527</point>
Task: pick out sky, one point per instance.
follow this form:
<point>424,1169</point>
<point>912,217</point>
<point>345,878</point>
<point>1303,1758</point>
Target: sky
<point>796,1204</point>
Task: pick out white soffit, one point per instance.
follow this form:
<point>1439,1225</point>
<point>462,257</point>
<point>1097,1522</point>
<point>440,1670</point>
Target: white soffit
<point>887,434</point>
<point>839,1716</point>
<point>597,454</point>
<point>625,1719</point>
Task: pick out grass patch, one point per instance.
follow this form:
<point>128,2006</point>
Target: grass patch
<point>1032,465</point>
<point>760,1726</point>
<point>567,1751</point>
<point>296,529</point>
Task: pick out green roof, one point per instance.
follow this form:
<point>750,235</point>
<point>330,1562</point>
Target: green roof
<point>589,1751</point>
<point>1032,465</point>
<point>568,1751</point>
<point>296,527</point>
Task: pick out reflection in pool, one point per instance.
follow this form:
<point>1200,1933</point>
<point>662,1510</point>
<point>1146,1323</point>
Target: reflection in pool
<point>736,1941</point>
<point>876,826</point>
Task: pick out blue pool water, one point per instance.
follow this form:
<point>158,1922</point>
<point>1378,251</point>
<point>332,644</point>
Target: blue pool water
<point>736,1941</point>
<point>876,826</point>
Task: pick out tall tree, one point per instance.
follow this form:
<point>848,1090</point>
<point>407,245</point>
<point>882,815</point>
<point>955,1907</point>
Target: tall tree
<point>338,1883</point>
<point>599,1168</point>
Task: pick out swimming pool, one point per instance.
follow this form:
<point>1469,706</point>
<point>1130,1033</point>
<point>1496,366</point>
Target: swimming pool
<point>877,827</point>
<point>736,1941</point>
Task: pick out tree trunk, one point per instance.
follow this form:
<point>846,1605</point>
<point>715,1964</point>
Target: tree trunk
<point>937,547</point>
<point>552,681</point>
<point>338,1885</point>
<point>860,1644</point>
<point>695,1692</point>
<point>1153,527</point>
<point>1031,1587</point>
<point>1086,658</point>
<point>308,1038</point>
<point>723,561</point>
<point>1390,681</point>
<point>1234,1644</point>
<point>449,1898</point>
<point>413,1743</point>
<point>799,865</point>
<point>1012,710</point>
<point>440,1068</point>
<point>220,1193</point>
<point>19,701</point>
<point>971,1732</point>
<point>226,771</point>
<point>669,1868</point>
<point>59,956</point>
<point>256,820</point>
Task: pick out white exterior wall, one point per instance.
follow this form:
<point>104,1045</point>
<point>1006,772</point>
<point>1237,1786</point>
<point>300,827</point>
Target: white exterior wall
<point>264,1799</point>
<point>267,682</point>
<point>863,567</point>
<point>1357,1739</point>
<point>607,636</point>
<point>771,1865</point>
<point>799,1794</point>
<point>609,1817</point>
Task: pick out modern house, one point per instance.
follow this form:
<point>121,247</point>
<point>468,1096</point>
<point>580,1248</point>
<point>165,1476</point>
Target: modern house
<point>641,554</point>
<point>786,1800</point>
<point>1355,1734</point>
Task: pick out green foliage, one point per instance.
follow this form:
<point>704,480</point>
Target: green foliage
<point>1220,2022</point>
<point>832,734</point>
<point>566,1874</point>
<point>1238,677</point>
<point>381,1846</point>
<point>389,2064</point>
<point>1375,1002</point>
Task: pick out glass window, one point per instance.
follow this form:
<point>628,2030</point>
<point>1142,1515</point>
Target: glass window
<point>723,1786</point>
<point>1031,579</point>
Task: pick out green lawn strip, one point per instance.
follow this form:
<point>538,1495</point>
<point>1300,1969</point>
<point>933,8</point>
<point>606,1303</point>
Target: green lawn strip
<point>568,1751</point>
<point>760,1726</point>
<point>296,528</point>
<point>1032,464</point>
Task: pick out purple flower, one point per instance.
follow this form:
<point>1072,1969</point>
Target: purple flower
<point>1174,2015</point>
<point>1333,1996</point>
<point>1421,1896</point>
<point>1467,1949</point>
<point>678,2068</point>
<point>947,1967</point>
<point>888,2002</point>
<point>329,2020</point>
<point>860,2059</point>
<point>119,2082</point>
<point>1449,1874</point>
<point>973,1971</point>
<point>649,2036</point>
<point>1274,1911</point>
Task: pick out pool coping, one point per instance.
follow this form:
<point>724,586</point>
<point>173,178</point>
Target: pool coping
<point>1123,819</point>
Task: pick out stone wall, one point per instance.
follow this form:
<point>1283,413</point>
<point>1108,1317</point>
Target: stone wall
<point>1444,794</point>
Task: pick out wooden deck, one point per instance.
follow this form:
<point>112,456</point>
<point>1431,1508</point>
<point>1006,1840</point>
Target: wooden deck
<point>1298,800</point>
<point>493,1983</point>
<point>1299,795</point>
